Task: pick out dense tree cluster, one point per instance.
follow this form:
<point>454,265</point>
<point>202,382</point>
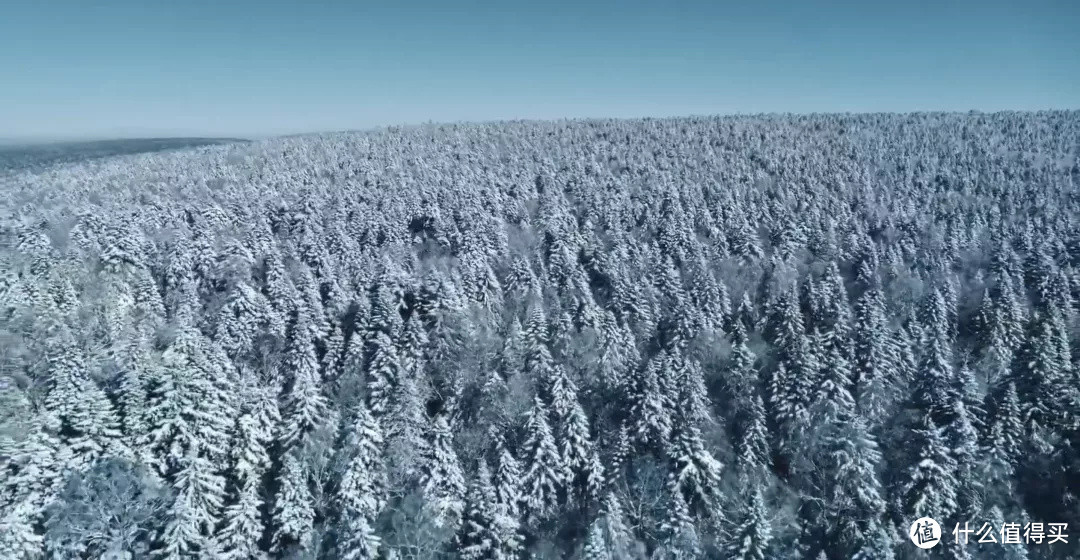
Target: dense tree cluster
<point>772,337</point>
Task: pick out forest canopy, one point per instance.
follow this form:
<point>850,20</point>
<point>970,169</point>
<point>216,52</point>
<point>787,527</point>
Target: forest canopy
<point>767,337</point>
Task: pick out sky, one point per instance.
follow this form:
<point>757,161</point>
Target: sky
<point>72,69</point>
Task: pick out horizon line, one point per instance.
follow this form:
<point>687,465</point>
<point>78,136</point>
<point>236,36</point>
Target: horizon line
<point>43,140</point>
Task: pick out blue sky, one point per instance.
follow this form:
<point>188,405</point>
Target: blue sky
<point>110,68</point>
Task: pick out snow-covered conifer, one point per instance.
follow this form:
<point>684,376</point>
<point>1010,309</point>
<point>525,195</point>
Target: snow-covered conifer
<point>293,511</point>
<point>752,536</point>
<point>199,493</point>
<point>304,404</point>
<point>383,372</point>
<point>243,522</point>
<point>544,474</point>
<point>928,486</point>
<point>874,370</point>
<point>443,481</point>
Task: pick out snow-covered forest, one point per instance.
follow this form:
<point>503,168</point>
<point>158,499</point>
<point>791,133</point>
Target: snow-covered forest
<point>777,337</point>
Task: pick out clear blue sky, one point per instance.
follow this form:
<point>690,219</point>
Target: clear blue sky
<point>109,68</point>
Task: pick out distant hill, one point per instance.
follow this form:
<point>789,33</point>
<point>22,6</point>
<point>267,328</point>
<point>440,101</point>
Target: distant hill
<point>16,157</point>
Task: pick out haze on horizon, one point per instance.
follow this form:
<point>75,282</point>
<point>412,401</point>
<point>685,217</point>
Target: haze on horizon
<point>250,69</point>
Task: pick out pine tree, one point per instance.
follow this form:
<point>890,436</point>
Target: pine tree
<point>383,372</point>
<point>596,547</point>
<point>1006,551</point>
<point>792,383</point>
<point>359,540</point>
<point>997,356</point>
<point>33,469</point>
<point>678,536</point>
<point>245,316</point>
<point>935,390</point>
<point>90,426</point>
<point>243,523</point>
<point>278,288</point>
<point>577,452</point>
<point>711,297</point>
<point>293,512</point>
<point>1003,440</point>
<point>478,537</point>
<point>199,496</point>
<point>928,487</point>
<point>746,314</point>
<point>744,241</point>
<point>903,348</point>
<point>834,402</point>
<point>18,537</point>
<point>751,538</point>
<point>536,356</point>
<point>620,538</point>
<point>443,481</point>
<point>950,297</point>
<point>333,354</point>
<point>837,310</point>
<point>690,389</point>
<point>743,378</point>
<point>866,271</point>
<point>406,422</point>
<point>1010,311</point>
<point>580,456</point>
<point>694,470</point>
<point>361,491</point>
<point>508,480</point>
<point>304,405</point>
<point>545,474</point>
<point>1040,380</point>
<point>874,364</point>
<point>962,436</point>
<point>191,405</point>
<point>752,440</point>
<point>520,280</point>
<point>130,394</point>
<point>856,501</point>
<point>508,499</point>
<point>878,545</point>
<point>650,411</point>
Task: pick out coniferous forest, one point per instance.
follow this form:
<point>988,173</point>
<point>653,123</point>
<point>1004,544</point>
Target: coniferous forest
<point>773,337</point>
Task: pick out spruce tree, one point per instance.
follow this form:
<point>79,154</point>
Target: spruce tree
<point>874,364</point>
<point>1040,380</point>
<point>198,498</point>
<point>361,491</point>
<point>443,480</point>
<point>293,511</point>
<point>243,522</point>
<point>695,472</point>
<point>650,409</point>
<point>304,406</point>
<point>857,501</point>
<point>508,498</point>
<point>544,474</point>
<point>1003,439</point>
<point>678,537</point>
<point>18,537</point>
<point>751,537</point>
<point>928,487</point>
<point>383,372</point>
<point>478,536</point>
<point>596,547</point>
